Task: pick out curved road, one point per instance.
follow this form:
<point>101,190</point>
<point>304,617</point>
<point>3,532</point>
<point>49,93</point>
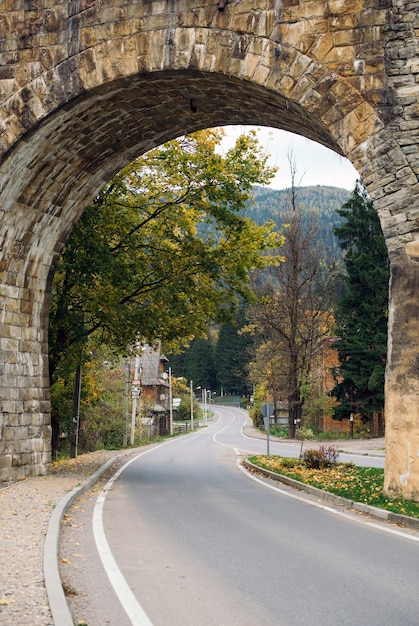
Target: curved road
<point>188,538</point>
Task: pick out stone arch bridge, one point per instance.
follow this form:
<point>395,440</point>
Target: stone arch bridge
<point>88,85</point>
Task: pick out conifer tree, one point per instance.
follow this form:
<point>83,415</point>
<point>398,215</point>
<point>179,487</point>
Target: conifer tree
<point>200,363</point>
<point>231,356</point>
<point>362,312</point>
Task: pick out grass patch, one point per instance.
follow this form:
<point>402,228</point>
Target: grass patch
<point>359,484</point>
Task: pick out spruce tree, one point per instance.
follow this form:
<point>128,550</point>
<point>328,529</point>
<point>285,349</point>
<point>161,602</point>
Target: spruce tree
<point>362,312</point>
<point>199,360</point>
<point>232,353</point>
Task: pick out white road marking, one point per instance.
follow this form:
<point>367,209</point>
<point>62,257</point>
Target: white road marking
<point>131,606</point>
<point>214,437</point>
<point>375,525</point>
<point>129,602</point>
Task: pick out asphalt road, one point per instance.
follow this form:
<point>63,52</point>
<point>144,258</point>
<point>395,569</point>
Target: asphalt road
<point>235,437</point>
<point>187,538</point>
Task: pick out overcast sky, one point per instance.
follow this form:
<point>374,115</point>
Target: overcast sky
<point>315,164</point>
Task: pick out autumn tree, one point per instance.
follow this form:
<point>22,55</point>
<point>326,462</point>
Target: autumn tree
<point>294,304</point>
<point>267,370</point>
<point>163,250</point>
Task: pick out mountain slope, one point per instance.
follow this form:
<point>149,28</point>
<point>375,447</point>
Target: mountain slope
<point>270,204</point>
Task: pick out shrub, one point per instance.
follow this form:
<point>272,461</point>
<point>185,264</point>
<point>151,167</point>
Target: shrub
<point>256,417</point>
<point>305,433</point>
<point>325,456</point>
<point>279,431</point>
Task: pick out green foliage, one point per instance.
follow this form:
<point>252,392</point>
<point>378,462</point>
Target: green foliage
<point>136,264</point>
<point>200,367</point>
<point>184,410</point>
<point>279,431</point>
<point>287,462</point>
<point>362,314</point>
<point>62,409</point>
<point>161,253</point>
<point>232,353</point>
<point>256,417</point>
<point>305,432</point>
<point>104,422</point>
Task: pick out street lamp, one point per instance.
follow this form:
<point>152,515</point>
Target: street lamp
<point>191,386</point>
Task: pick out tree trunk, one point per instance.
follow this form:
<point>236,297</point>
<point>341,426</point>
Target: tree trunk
<point>380,424</point>
<point>76,414</point>
<point>371,423</point>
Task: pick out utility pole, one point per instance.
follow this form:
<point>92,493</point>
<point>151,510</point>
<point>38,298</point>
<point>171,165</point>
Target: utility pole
<point>126,402</point>
<point>134,398</point>
<point>76,413</point>
<point>170,403</point>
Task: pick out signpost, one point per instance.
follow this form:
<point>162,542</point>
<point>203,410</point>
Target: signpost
<point>267,410</point>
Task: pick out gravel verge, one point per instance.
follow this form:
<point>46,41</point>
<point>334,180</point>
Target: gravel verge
<point>26,508</point>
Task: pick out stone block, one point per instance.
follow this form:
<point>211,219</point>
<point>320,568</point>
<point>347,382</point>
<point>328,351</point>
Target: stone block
<point>39,469</point>
<point>7,474</point>
<point>8,406</point>
<point>17,434</point>
<point>5,465</point>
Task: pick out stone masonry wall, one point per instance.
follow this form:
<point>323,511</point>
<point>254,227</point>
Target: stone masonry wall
<point>87,85</point>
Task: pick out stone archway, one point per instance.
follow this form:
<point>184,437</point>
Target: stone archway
<point>87,88</point>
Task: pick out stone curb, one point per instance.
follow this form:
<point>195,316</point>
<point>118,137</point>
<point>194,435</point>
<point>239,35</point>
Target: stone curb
<point>389,516</point>
<point>61,615</point>
<point>57,601</point>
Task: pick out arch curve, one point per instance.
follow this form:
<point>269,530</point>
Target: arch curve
<point>104,115</point>
<point>88,86</point>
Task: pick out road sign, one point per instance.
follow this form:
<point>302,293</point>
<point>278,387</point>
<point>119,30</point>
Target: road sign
<point>267,410</point>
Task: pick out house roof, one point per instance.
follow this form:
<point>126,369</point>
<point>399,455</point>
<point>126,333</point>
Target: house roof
<point>151,373</point>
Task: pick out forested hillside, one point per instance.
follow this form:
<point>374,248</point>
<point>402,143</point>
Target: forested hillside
<point>270,204</point>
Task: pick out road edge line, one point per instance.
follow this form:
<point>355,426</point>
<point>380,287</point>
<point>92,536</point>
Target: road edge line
<point>383,514</point>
